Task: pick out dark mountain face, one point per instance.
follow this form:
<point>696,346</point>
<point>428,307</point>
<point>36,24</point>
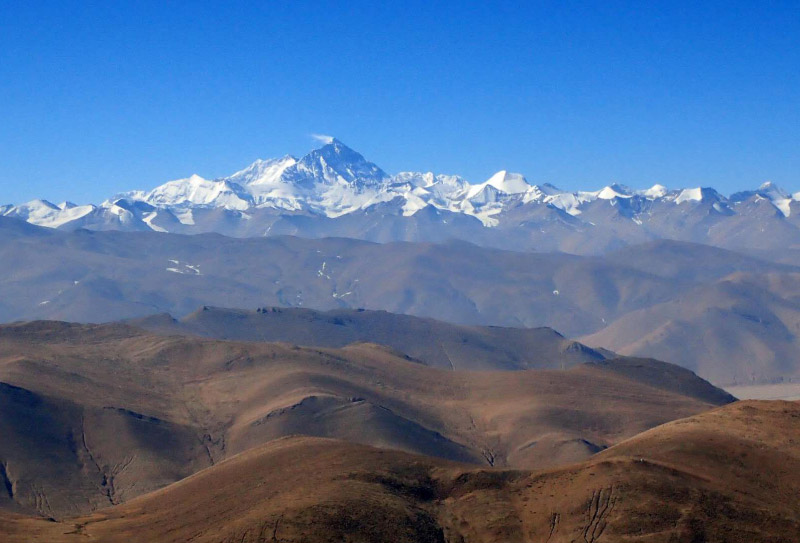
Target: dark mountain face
<point>14,229</point>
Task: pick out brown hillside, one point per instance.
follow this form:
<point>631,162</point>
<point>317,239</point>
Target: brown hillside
<point>729,475</point>
<point>96,415</point>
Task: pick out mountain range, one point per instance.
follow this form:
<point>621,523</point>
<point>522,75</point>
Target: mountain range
<point>335,191</point>
<point>730,317</point>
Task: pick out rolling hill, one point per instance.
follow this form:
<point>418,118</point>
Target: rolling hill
<point>97,414</point>
<point>696,479</point>
<point>438,344</point>
<point>749,321</point>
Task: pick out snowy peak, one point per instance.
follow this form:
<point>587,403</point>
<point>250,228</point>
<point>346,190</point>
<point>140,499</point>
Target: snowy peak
<point>263,172</point>
<point>196,191</point>
<point>699,194</point>
<point>510,183</point>
<point>44,213</point>
<point>334,164</point>
<point>334,180</point>
<point>777,196</point>
<point>549,190</point>
<point>38,205</point>
<point>264,185</point>
<point>614,191</point>
<point>768,191</point>
<point>655,192</point>
<point>689,195</point>
<point>497,187</point>
<point>772,191</point>
<point>442,186</point>
<point>414,179</point>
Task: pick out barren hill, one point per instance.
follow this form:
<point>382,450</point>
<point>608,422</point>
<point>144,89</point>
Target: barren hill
<point>96,414</point>
<point>436,343</point>
<point>738,330</point>
<point>697,479</point>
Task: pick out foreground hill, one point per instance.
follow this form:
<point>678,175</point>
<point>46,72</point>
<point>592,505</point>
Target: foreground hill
<point>437,343</point>
<point>96,414</point>
<point>727,475</point>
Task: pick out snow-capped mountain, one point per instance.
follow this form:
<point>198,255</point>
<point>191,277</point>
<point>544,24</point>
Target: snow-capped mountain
<point>194,191</point>
<point>335,191</point>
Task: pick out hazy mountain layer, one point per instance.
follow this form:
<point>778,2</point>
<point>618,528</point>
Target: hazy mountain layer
<point>730,317</point>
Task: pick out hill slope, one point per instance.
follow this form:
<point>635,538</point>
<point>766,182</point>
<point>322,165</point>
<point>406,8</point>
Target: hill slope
<point>117,411</point>
<point>437,343</point>
<point>749,321</point>
<point>699,479</point>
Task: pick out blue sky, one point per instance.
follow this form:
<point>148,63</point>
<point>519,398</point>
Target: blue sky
<point>99,97</point>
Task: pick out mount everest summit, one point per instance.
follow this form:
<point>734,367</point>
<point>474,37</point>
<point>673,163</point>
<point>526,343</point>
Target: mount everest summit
<point>335,191</point>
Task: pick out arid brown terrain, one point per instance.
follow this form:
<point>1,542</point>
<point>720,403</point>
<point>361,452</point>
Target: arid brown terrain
<point>730,475</point>
<point>114,433</point>
<point>555,300</point>
<point>95,415</point>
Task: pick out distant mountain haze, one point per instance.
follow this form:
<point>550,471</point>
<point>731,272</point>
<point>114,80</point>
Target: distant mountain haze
<point>728,316</point>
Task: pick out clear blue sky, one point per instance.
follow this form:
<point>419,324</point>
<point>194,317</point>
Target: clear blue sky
<point>99,97</point>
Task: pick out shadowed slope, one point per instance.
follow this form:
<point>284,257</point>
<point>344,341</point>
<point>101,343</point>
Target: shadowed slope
<point>60,457</point>
<point>437,343</point>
